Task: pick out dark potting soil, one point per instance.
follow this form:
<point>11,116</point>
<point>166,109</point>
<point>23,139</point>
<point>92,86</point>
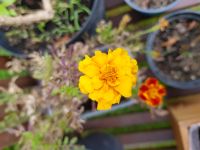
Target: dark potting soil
<point>178,50</point>
<point>152,4</point>
<point>31,4</point>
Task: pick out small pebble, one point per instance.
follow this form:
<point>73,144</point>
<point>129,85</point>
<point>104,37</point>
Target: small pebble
<point>192,77</point>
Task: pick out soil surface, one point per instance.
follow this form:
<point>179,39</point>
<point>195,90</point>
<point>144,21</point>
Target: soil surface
<point>153,4</point>
<point>177,50</point>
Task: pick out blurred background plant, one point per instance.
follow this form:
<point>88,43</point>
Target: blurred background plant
<point>68,18</point>
<point>4,8</point>
<point>122,37</point>
<point>48,115</point>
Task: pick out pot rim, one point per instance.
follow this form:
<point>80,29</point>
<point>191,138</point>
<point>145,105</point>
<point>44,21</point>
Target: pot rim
<point>95,5</point>
<point>187,85</point>
<point>152,11</point>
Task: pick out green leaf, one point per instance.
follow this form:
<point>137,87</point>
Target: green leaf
<point>7,3</point>
<point>66,90</point>
<point>4,52</point>
<point>4,11</point>
<point>46,69</point>
<point>73,141</point>
<point>5,74</point>
<point>41,26</point>
<point>12,12</point>
<point>66,141</point>
<point>6,97</point>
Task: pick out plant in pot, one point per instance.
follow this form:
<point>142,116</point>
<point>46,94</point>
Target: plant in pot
<point>44,116</point>
<point>152,7</point>
<point>177,51</point>
<point>71,20</point>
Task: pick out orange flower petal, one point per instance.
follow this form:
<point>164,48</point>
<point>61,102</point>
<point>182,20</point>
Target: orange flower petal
<point>151,81</point>
<point>162,91</point>
<point>156,101</point>
<point>144,88</point>
<point>142,96</point>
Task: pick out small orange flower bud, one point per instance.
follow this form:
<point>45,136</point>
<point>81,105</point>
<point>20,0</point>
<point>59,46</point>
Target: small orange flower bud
<point>152,92</point>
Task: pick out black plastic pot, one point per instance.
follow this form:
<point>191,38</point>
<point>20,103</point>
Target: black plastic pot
<point>189,85</point>
<point>97,14</point>
<point>151,11</point>
<point>101,141</point>
<point>5,45</point>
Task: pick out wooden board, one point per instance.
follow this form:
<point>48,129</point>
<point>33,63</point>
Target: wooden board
<point>124,120</point>
<point>139,139</point>
<point>184,112</point>
<point>3,61</point>
<point>6,140</point>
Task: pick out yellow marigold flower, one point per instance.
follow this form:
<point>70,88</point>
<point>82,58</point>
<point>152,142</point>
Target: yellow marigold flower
<point>164,23</point>
<point>107,77</point>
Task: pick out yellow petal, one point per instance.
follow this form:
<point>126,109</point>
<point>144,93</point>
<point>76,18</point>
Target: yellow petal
<point>134,80</point>
<point>109,95</point>
<point>97,83</point>
<point>97,94</point>
<point>106,93</point>
<point>88,67</point>
<point>100,58</point>
<point>134,66</point>
<point>120,52</point>
<point>103,106</point>
<point>85,84</point>
<point>121,60</point>
<point>94,95</point>
<point>117,98</point>
<point>125,86</point>
<point>106,104</point>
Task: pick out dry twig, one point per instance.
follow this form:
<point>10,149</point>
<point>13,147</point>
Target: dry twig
<point>45,14</point>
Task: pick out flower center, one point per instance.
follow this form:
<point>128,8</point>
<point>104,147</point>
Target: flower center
<point>110,75</point>
<point>152,93</point>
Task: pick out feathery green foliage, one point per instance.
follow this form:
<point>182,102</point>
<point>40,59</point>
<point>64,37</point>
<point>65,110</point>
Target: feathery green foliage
<point>44,72</point>
<point>67,90</point>
<point>4,52</point>
<point>4,10</point>
<point>66,20</point>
